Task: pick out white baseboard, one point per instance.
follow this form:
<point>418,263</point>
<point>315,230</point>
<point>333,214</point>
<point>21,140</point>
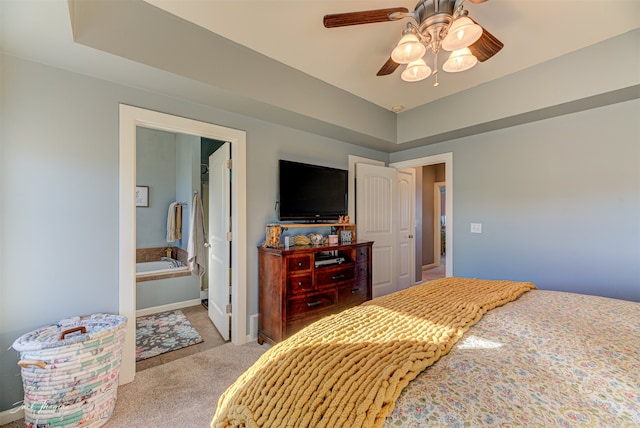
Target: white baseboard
<point>253,328</point>
<point>11,415</point>
<point>169,307</point>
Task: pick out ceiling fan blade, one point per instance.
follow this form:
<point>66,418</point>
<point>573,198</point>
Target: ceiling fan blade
<point>389,67</point>
<point>364,17</point>
<point>486,46</point>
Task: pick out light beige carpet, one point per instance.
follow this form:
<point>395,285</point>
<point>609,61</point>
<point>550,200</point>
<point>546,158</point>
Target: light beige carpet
<point>183,392</point>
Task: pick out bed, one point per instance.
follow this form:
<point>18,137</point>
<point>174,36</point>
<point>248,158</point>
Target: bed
<point>509,355</point>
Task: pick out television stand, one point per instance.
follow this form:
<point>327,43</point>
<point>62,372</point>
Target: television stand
<point>294,290</point>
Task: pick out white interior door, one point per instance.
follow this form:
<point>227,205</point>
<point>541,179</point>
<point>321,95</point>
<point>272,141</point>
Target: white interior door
<point>406,227</point>
<point>220,246</point>
<point>376,209</point>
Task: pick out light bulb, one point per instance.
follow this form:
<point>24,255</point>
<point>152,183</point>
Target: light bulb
<point>460,60</point>
<point>416,71</point>
<point>462,33</point>
<point>408,49</point>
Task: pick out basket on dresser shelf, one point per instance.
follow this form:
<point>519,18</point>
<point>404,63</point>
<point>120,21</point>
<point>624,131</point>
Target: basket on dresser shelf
<point>70,371</point>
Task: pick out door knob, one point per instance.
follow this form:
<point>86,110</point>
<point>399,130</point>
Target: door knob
<point>410,236</point>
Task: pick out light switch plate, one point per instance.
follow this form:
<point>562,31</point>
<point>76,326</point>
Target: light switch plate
<point>476,227</point>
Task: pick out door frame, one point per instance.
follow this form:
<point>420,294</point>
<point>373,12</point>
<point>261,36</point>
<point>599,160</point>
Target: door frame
<point>130,118</point>
<point>447,160</point>
<point>437,208</point>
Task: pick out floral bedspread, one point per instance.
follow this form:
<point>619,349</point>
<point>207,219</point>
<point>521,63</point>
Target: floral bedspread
<point>549,359</point>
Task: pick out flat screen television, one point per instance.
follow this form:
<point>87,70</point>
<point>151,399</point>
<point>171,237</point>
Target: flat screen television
<point>312,192</point>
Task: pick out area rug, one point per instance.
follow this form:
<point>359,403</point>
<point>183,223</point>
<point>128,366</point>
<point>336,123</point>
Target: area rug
<point>163,332</point>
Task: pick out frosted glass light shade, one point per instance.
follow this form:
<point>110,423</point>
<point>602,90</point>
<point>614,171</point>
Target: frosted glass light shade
<point>460,60</point>
<point>416,71</point>
<point>462,33</point>
<point>408,50</point>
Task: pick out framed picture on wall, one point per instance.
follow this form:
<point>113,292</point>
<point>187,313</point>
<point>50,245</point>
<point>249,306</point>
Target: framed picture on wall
<point>142,196</point>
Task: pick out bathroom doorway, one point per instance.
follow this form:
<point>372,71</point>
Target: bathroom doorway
<point>130,119</point>
<point>173,167</point>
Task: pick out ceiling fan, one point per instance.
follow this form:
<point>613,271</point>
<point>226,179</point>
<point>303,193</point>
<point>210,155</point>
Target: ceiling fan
<point>435,25</point>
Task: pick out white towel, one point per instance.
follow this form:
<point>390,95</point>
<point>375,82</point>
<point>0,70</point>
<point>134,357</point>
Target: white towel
<point>196,256</point>
<point>171,222</point>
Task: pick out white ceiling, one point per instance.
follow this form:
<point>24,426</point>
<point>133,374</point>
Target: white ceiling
<point>292,33</point>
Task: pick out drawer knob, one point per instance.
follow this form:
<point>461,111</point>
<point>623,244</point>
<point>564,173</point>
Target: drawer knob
<point>337,277</point>
<point>312,304</point>
<point>299,283</point>
<point>299,264</point>
<point>355,291</point>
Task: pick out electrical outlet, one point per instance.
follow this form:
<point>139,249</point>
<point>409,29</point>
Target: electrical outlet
<point>476,227</point>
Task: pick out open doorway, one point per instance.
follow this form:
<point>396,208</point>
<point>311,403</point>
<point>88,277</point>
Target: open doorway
<point>444,163</point>
<point>171,318</point>
<point>130,119</point>
<point>437,269</point>
<point>429,222</point>
<point>376,197</point>
<point>432,218</point>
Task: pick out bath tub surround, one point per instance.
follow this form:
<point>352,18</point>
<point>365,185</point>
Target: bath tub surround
<point>157,253</point>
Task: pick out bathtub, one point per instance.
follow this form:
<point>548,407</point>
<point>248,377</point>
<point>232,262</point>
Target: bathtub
<point>160,268</point>
<point>164,285</point>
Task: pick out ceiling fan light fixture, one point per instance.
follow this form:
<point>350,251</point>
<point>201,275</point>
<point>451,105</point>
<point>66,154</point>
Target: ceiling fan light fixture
<point>460,60</point>
<point>409,49</point>
<point>462,33</point>
<point>416,71</point>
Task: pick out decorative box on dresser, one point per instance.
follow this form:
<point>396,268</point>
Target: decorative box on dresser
<point>294,291</point>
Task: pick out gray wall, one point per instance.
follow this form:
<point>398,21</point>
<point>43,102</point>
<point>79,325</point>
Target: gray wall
<point>170,165</point>
<point>558,199</point>
<point>59,178</point>
<point>156,168</point>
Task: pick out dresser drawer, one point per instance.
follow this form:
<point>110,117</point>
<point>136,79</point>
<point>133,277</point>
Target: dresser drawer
<point>362,271</point>
<point>300,284</point>
<point>298,263</point>
<point>301,306</point>
<point>362,254</point>
<point>352,294</point>
<point>334,275</point>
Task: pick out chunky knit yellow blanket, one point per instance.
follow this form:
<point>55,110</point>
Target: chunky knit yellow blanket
<point>347,370</point>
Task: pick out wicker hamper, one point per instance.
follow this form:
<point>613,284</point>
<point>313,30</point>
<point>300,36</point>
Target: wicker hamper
<point>70,371</point>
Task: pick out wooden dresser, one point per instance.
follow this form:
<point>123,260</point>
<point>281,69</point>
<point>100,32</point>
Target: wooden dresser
<point>296,288</point>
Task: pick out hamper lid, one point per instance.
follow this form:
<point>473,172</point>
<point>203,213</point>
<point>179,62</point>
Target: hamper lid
<point>69,331</point>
